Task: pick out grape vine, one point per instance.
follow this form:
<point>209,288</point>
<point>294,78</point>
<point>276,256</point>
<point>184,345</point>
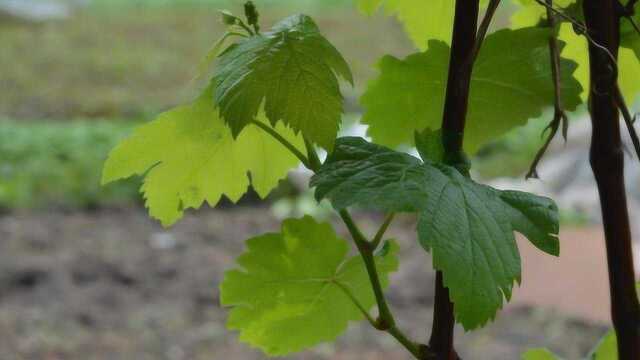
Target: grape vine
<point>274,97</point>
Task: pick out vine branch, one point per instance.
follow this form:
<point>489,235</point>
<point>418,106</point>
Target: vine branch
<point>630,7</point>
<point>559,116</point>
<point>628,119</point>
<point>465,45</point>
<point>386,321</point>
<point>484,26</point>
<point>607,162</point>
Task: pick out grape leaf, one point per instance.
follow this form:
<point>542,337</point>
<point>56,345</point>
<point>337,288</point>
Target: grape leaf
<point>468,227</point>
<point>290,291</point>
<point>530,13</point>
<point>628,64</point>
<point>423,20</point>
<point>187,155</point>
<point>539,354</point>
<point>607,348</point>
<point>507,89</point>
<point>629,36</point>
<point>292,69</point>
<point>429,145</point>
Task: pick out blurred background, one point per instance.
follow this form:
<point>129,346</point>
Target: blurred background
<point>85,274</point>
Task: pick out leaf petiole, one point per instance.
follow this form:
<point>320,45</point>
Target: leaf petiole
<point>269,130</point>
<point>385,321</point>
<point>355,301</point>
<point>383,229</point>
<point>312,155</point>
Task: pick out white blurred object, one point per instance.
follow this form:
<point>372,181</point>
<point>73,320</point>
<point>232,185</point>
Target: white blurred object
<point>566,176</point>
<point>36,10</point>
<point>163,241</point>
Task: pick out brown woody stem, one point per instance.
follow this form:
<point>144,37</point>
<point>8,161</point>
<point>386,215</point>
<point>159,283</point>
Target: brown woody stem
<point>463,48</point>
<point>607,162</point>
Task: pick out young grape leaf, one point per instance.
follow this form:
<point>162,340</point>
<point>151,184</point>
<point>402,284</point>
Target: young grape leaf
<point>294,288</point>
<point>629,36</point>
<point>539,354</point>
<point>187,155</point>
<point>531,13</point>
<point>292,69</point>
<point>429,145</point>
<point>607,348</point>
<point>423,20</point>
<point>576,45</point>
<point>507,89</point>
<point>628,64</point>
<point>468,227</point>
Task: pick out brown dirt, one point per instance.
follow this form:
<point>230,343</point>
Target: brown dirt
<point>576,283</point>
<point>115,285</point>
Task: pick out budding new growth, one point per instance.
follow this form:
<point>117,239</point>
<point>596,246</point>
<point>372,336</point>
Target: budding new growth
<point>228,18</point>
<point>252,15</point>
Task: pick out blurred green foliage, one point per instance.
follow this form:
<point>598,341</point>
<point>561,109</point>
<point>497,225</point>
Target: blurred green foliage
<point>59,164</point>
<point>220,3</point>
<point>512,154</point>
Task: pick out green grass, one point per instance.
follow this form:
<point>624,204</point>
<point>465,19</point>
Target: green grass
<point>137,61</point>
<point>44,164</point>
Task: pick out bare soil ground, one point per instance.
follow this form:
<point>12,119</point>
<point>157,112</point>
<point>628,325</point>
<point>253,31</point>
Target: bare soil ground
<point>115,285</point>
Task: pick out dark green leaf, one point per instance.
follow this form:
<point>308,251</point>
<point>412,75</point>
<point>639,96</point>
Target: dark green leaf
<point>511,83</point>
<point>429,145</point>
<point>468,227</point>
<point>292,70</point>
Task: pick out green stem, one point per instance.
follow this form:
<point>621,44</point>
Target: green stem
<point>357,303</point>
<point>269,130</point>
<point>411,346</point>
<point>356,234</point>
<point>383,229</point>
<point>246,28</point>
<point>314,160</point>
<point>385,321</point>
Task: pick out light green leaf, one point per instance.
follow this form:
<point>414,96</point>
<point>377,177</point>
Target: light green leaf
<point>429,145</point>
<point>539,354</point>
<point>507,89</point>
<point>607,348</point>
<point>628,64</point>
<point>206,64</point>
<point>423,20</point>
<point>531,12</point>
<point>292,69</point>
<point>188,156</point>
<point>468,227</point>
<point>629,36</point>
<point>290,291</point>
